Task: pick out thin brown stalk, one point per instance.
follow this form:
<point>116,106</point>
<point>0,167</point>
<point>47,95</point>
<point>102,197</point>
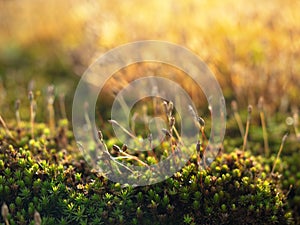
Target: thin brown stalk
<point>62,106</point>
<point>51,109</point>
<point>237,117</point>
<point>32,112</point>
<point>133,119</point>
<point>123,128</point>
<point>106,156</point>
<point>2,122</point>
<point>279,152</point>
<point>171,120</point>
<point>131,157</point>
<point>247,127</point>
<point>18,118</point>
<point>264,126</point>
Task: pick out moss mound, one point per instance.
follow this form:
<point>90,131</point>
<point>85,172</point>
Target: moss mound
<point>48,176</point>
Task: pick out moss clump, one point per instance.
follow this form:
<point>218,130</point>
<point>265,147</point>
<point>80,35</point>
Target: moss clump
<point>44,179</point>
<point>48,176</point>
<point>288,166</point>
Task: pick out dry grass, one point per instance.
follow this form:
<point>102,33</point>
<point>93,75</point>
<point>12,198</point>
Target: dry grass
<point>253,47</point>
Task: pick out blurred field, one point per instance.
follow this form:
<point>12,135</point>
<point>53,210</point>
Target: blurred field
<point>253,47</point>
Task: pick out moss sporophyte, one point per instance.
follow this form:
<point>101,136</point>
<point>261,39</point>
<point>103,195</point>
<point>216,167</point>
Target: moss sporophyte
<point>45,180</point>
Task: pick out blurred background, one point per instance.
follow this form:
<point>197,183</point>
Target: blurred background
<point>253,47</point>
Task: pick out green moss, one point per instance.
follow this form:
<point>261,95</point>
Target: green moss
<point>48,175</point>
<point>63,189</point>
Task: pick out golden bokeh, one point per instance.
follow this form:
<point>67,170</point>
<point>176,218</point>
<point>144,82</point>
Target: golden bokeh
<point>252,46</point>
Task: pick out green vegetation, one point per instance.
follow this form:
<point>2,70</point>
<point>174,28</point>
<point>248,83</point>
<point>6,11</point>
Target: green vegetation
<point>251,46</point>
<point>43,173</point>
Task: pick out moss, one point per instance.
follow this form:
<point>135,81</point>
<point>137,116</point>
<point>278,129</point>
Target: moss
<point>42,171</point>
<point>64,189</point>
